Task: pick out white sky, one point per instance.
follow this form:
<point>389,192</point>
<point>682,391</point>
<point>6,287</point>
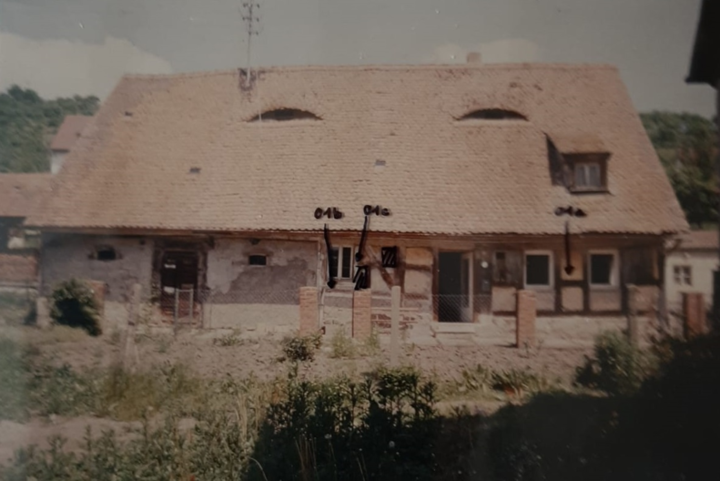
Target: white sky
<point>67,47</point>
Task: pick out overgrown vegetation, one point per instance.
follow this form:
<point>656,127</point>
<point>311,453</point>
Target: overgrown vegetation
<point>301,348</point>
<point>18,308</point>
<point>617,367</point>
<point>384,425</point>
<point>74,305</point>
<point>685,144</point>
<point>28,123</point>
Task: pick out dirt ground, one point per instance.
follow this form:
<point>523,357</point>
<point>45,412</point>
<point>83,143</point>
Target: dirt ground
<point>259,357</point>
<point>262,357</point>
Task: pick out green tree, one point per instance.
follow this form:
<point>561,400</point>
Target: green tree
<point>28,123</point>
<point>685,144</point>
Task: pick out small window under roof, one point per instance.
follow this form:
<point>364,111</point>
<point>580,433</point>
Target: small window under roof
<point>494,114</point>
<point>283,115</point>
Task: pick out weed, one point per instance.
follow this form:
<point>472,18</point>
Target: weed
<point>74,305</point>
<point>228,340</point>
<point>164,344</point>
<point>617,367</point>
<point>372,343</point>
<point>342,346</point>
<point>301,348</point>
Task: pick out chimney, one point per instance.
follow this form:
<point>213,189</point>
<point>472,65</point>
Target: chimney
<point>474,58</point>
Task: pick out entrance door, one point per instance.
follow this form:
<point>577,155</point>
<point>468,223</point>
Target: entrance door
<point>454,287</point>
<point>178,284</point>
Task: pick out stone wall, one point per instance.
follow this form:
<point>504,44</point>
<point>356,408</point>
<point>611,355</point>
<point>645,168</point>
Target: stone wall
<point>257,297</point>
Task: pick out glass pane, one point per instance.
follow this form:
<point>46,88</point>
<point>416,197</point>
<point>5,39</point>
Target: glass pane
<point>593,175</point>
<point>537,270</point>
<point>601,268</point>
<point>580,176</point>
<point>334,261</point>
<point>346,262</point>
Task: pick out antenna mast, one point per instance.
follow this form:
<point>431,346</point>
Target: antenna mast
<point>251,20</point>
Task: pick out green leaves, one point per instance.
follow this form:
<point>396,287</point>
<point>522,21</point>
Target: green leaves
<point>28,123</point>
<point>685,144</point>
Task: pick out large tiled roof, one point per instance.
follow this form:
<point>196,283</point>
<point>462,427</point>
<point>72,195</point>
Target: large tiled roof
<point>22,194</point>
<point>136,165</point>
<point>69,132</point>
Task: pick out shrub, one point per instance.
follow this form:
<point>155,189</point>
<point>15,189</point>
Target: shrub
<point>342,346</point>
<point>301,348</point>
<point>74,305</point>
<point>618,367</point>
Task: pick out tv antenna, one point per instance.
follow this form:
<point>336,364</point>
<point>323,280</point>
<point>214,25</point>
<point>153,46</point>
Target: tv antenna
<point>251,19</point>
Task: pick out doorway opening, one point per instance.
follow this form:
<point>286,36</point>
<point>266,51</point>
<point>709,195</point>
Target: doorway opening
<point>178,285</point>
<point>455,301</point>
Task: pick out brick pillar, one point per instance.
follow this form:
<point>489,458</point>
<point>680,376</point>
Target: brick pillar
<point>694,310</point>
<point>525,324</point>
<point>361,316</point>
<point>308,311</point>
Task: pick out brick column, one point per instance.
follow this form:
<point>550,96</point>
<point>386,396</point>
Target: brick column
<point>361,316</point>
<point>694,310</point>
<point>525,324</point>
<point>308,310</point>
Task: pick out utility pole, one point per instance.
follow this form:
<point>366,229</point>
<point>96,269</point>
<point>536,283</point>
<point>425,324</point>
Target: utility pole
<point>251,18</point>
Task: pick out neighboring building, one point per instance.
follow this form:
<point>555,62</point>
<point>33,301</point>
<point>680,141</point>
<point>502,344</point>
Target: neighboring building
<point>211,190</point>
<point>66,136</point>
<point>689,268</point>
<point>20,196</point>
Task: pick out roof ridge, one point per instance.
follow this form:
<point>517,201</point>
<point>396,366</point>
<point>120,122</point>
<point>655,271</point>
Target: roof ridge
<point>380,67</point>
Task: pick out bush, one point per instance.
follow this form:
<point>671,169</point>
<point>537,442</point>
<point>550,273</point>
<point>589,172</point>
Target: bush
<point>301,348</point>
<point>74,305</point>
<point>618,367</point>
<point>342,346</point>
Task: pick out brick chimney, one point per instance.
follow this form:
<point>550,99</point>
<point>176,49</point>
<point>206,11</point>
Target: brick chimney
<point>474,58</point>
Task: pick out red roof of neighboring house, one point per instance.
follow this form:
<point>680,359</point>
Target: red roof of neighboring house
<point>187,152</point>
<point>22,194</point>
<point>69,132</point>
<point>700,239</point>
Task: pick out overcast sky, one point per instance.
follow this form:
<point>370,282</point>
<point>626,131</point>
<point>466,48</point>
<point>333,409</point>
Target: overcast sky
<point>67,47</point>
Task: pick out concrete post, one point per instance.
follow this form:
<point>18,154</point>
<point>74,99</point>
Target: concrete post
<point>525,322</point>
<point>395,325</point>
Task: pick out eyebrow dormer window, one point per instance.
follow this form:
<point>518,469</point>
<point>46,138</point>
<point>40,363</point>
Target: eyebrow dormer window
<point>284,115</point>
<point>494,114</point>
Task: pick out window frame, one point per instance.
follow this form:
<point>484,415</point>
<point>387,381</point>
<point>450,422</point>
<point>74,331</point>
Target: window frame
<point>340,248</point>
<point>682,272</point>
<point>583,160</point>
<point>614,269</point>
<point>551,270</point>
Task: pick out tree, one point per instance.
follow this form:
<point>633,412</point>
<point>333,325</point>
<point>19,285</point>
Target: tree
<point>685,144</point>
<point>28,123</point>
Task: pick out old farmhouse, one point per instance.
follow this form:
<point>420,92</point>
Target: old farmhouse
<point>222,194</point>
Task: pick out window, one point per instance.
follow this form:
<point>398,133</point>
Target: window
<point>538,269</point>
<point>603,269</point>
<point>105,253</point>
<point>283,115</point>
<point>494,114</point>
<point>257,260</point>
<point>341,262</point>
<point>588,176</point>
<point>682,275</point>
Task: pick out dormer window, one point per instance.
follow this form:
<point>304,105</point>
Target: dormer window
<point>284,115</point>
<point>589,172</point>
<point>494,114</point>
